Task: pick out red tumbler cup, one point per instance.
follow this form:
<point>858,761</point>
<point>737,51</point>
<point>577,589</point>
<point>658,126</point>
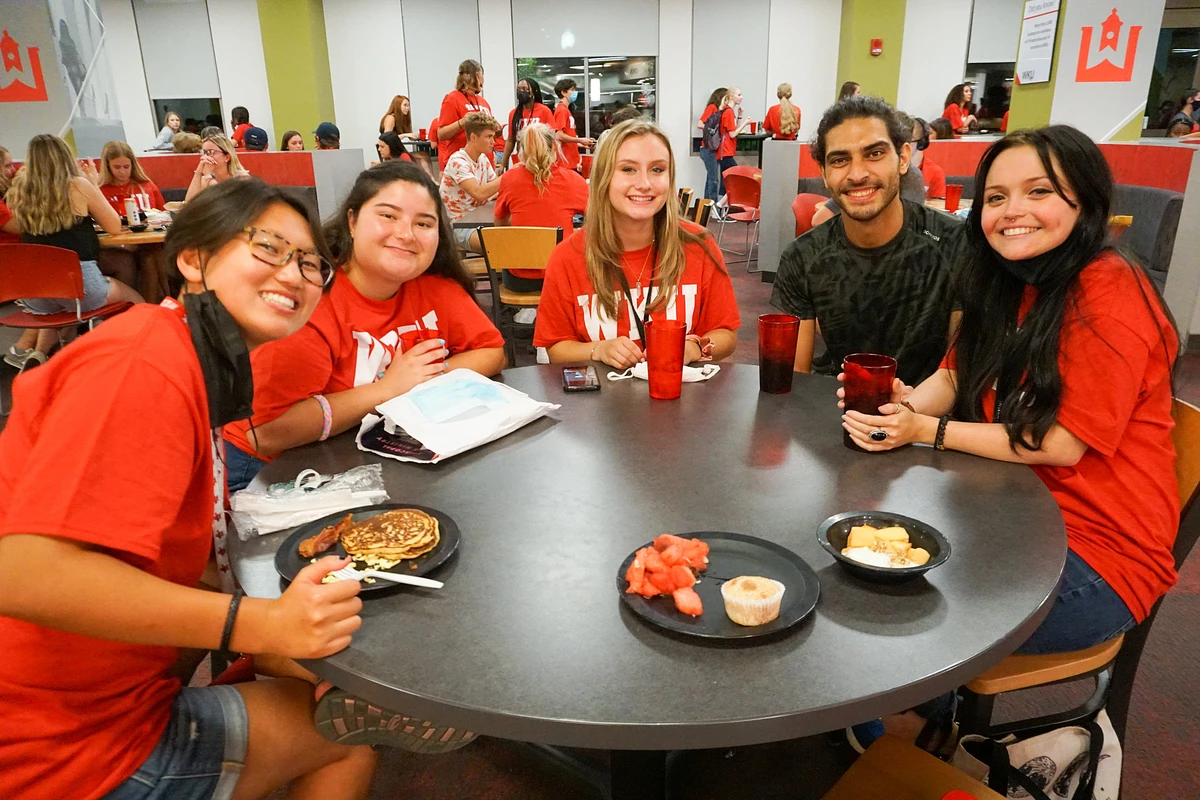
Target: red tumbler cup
<point>754,127</point>
<point>777,352</point>
<point>664,358</point>
<point>410,339</point>
<point>868,385</point>
<point>953,196</point>
<point>422,134</point>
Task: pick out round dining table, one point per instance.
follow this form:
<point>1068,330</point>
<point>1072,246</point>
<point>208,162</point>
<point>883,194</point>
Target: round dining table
<point>530,640</point>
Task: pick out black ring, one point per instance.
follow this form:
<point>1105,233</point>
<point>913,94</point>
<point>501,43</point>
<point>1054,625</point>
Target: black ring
<point>879,435</point>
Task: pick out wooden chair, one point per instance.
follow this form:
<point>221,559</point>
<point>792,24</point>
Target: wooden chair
<point>506,248</point>
<point>702,212</point>
<point>1112,665</point>
<point>685,202</point>
<point>892,769</point>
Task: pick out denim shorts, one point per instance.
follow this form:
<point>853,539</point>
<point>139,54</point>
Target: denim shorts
<point>95,293</point>
<point>240,467</point>
<point>1086,613</point>
<point>201,753</point>
<point>463,237</point>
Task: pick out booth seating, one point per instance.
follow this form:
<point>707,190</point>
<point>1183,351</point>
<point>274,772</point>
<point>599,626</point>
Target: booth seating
<point>1151,237</point>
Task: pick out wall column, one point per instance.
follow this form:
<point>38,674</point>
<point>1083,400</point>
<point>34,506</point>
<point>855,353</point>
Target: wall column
<point>862,21</point>
<point>297,60</point>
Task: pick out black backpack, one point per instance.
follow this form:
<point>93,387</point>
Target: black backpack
<point>711,139</point>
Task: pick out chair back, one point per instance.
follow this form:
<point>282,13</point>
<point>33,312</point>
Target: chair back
<point>685,201</point>
<point>30,271</point>
<point>744,170</point>
<point>743,190</point>
<point>702,212</point>
<point>803,207</point>
<point>511,247</point>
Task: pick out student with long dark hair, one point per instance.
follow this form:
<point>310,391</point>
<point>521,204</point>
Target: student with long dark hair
<point>849,89</point>
<point>958,109</point>
<point>391,148</point>
<point>398,269</point>
<point>530,109</point>
<point>712,171</point>
<point>292,140</point>
<point>1063,361</point>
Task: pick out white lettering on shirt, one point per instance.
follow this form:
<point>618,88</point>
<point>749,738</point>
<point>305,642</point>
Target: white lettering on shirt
<point>599,327</point>
<point>373,356</point>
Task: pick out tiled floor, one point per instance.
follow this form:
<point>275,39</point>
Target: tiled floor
<point>1160,752</point>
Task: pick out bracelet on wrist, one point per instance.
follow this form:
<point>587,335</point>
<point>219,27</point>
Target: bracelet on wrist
<point>230,618</point>
<point>939,441</point>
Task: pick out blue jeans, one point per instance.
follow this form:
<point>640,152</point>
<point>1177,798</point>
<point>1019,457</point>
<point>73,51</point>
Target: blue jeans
<point>201,753</point>
<point>1086,613</point>
<point>712,179</point>
<point>240,467</point>
<point>722,165</point>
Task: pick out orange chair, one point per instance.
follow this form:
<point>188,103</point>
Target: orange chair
<point>804,206</point>
<point>744,191</point>
<point>35,271</point>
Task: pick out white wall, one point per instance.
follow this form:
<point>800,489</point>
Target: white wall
<point>129,75</point>
<point>367,68</point>
<point>177,48</point>
<point>496,55</point>
<point>934,54</point>
<point>995,32</point>
<point>802,49</point>
<point>581,27</point>
<point>241,65</point>
<point>434,48</point>
<point>727,50</point>
<point>675,107</point>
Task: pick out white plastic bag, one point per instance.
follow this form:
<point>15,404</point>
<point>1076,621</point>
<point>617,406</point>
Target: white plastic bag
<point>455,412</point>
<point>311,496</point>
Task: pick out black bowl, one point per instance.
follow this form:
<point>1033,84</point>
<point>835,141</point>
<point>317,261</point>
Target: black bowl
<point>138,228</point>
<point>833,533</point>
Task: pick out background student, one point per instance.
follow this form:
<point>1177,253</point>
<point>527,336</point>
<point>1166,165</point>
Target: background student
<point>327,137</point>
<point>730,128</point>
<point>218,163</point>
<point>171,126</point>
<point>712,171</point>
<point>849,89</point>
<point>240,118</point>
<point>469,179</point>
<point>292,140</point>
<point>564,123</point>
<point>529,110</point>
<point>398,118</point>
<point>783,118</point>
<point>465,99</point>
<point>389,147</point>
<point>121,177</point>
<point>958,109</point>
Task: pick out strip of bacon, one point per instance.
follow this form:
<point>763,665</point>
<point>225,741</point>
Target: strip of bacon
<point>326,539</point>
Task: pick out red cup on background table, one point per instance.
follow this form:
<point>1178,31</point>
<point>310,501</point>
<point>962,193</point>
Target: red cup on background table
<point>777,352</point>
<point>586,166</point>
<point>422,134</point>
<point>410,339</point>
<point>953,196</point>
<point>753,127</point>
<point>664,358</point>
<point>868,385</point>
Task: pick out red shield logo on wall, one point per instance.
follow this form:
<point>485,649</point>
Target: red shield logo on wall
<point>21,80</point>
<point>1106,70</point>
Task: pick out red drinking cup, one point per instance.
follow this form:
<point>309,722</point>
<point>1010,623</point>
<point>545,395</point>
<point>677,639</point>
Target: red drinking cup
<point>777,352</point>
<point>410,339</point>
<point>754,127</point>
<point>868,385</point>
<point>953,196</point>
<point>664,358</point>
<point>422,134</point>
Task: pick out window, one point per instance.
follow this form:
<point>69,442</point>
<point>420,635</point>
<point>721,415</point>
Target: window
<point>1174,73</point>
<point>606,84</point>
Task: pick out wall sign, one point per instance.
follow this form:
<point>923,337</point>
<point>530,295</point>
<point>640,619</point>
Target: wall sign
<point>21,79</point>
<point>1035,55</point>
<point>1105,69</point>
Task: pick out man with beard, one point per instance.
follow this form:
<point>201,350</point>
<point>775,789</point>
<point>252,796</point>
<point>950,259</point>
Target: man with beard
<point>878,278</point>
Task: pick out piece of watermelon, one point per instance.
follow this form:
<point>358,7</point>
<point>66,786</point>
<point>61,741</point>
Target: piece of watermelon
<point>688,602</point>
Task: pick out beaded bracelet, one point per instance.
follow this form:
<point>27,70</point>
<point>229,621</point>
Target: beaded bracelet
<point>326,417</point>
<point>939,441</point>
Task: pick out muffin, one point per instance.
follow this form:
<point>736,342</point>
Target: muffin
<point>751,600</point>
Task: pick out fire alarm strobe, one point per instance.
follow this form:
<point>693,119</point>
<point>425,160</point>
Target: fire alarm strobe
<point>877,47</point>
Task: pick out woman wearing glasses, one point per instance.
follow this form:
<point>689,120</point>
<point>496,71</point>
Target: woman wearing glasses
<point>399,271</point>
<point>120,501</point>
<point>218,163</point>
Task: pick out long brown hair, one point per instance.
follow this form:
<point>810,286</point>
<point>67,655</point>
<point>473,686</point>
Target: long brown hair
<point>789,117</point>
<point>956,96</point>
<point>40,195</point>
<point>468,76</point>
<point>403,122</point>
<point>603,248</point>
<point>116,149</point>
<point>539,151</point>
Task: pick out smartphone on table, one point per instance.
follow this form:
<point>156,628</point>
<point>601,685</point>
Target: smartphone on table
<point>580,379</point>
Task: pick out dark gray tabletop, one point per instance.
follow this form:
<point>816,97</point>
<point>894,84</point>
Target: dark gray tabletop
<point>482,217</point>
<point>530,641</point>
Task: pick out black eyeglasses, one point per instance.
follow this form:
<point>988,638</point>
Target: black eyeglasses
<point>271,248</point>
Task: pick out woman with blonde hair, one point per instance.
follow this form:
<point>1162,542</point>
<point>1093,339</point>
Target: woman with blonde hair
<point>121,177</point>
<point>456,105</point>
<point>542,192</point>
<point>54,204</point>
<point>218,163</point>
<point>783,118</point>
<point>171,126</point>
<point>635,260</point>
<point>398,118</point>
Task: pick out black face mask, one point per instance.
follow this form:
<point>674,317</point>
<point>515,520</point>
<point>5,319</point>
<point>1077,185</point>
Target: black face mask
<point>224,358</point>
<point>524,97</point>
<point>1039,269</point>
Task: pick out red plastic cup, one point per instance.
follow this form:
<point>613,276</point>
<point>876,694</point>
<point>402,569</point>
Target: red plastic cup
<point>868,385</point>
<point>410,339</point>
<point>664,358</point>
<point>777,352</point>
<point>586,163</point>
<point>953,195</point>
<point>754,127</point>
<point>421,134</point>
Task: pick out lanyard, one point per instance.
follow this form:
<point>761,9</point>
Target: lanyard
<point>641,326</point>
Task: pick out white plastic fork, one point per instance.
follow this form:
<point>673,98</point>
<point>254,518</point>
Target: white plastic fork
<point>352,574</point>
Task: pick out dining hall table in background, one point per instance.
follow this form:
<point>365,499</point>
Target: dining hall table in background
<point>529,640</point>
<point>154,285</point>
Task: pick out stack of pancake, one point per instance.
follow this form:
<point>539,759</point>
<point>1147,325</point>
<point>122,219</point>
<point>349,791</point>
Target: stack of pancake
<point>383,541</point>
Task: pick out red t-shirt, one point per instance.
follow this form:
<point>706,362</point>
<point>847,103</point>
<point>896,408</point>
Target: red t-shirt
<point>350,339</point>
<point>935,177</point>
<point>1004,123</point>
<point>554,206</point>
<point>957,118</point>
<point>773,122</point>
<point>1120,503</point>
<point>728,125</point>
<point>524,118</point>
<point>455,106</point>
<point>5,236</point>
<point>116,195</point>
<point>238,133</point>
<point>568,311</point>
<point>564,121</point>
<point>108,445</point>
